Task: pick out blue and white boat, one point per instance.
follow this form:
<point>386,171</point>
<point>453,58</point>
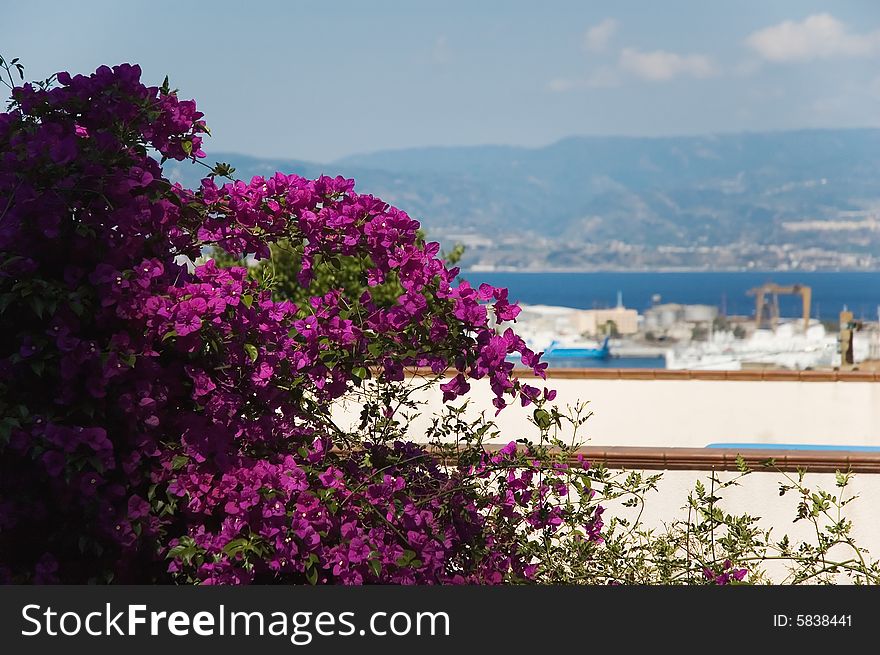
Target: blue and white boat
<point>556,349</point>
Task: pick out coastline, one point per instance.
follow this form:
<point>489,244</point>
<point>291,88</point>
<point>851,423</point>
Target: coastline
<point>669,269</point>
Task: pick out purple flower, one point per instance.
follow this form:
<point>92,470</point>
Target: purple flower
<point>196,389</point>
<point>189,314</point>
<point>202,383</point>
<point>46,571</point>
<point>27,348</point>
<point>138,507</point>
<point>63,151</point>
<point>358,551</point>
<point>54,462</point>
<point>529,394</point>
<point>456,387</point>
<point>89,484</point>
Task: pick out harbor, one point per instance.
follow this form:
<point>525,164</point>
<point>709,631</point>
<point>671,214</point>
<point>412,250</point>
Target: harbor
<point>784,330</point>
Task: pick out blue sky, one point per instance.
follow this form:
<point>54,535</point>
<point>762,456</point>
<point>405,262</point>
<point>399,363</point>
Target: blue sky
<point>321,80</point>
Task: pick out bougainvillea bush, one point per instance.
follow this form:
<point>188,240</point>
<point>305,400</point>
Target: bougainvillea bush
<point>166,416</point>
<point>170,423</point>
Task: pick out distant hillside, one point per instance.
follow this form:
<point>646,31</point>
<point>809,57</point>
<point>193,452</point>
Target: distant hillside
<point>799,199</point>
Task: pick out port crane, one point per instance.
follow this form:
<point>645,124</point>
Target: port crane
<point>773,290</point>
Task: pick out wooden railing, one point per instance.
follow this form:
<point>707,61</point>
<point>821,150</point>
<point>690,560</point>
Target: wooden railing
<point>757,375</point>
<point>720,459</point>
<point>725,459</point>
<point>776,375</point>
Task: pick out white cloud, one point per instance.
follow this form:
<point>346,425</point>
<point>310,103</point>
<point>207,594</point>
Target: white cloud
<point>660,66</point>
<point>597,37</point>
<point>820,36</point>
<point>602,78</point>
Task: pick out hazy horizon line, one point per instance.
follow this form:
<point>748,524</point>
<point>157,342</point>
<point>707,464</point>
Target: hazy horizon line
<point>514,146</point>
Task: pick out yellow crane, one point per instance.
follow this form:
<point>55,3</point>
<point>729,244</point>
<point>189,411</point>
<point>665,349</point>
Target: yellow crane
<point>773,290</point>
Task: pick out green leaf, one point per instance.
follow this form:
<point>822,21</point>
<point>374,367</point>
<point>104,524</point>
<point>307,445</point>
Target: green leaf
<point>5,301</point>
<point>11,260</point>
<point>6,427</point>
<point>177,550</point>
<point>542,418</point>
<point>38,306</point>
<point>168,335</point>
<point>376,566</point>
<point>187,146</point>
<point>252,351</point>
<point>268,492</point>
<point>84,230</point>
<point>222,169</point>
<point>179,461</point>
<point>235,546</point>
<point>312,576</point>
<point>405,559</point>
<point>247,300</point>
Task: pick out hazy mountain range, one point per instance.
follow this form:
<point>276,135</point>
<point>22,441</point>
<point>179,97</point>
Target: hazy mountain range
<point>799,199</point>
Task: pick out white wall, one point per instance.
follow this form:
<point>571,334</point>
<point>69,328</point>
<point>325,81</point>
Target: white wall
<point>758,495</point>
<point>693,413</point>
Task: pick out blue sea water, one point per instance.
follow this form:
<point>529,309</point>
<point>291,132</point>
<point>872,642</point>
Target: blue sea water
<point>859,291</point>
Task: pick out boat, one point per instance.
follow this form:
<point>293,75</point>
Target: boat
<point>557,349</point>
<point>787,347</point>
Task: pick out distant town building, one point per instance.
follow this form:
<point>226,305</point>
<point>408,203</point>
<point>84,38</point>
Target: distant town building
<point>660,318</point>
<point>569,321</point>
<point>596,321</point>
